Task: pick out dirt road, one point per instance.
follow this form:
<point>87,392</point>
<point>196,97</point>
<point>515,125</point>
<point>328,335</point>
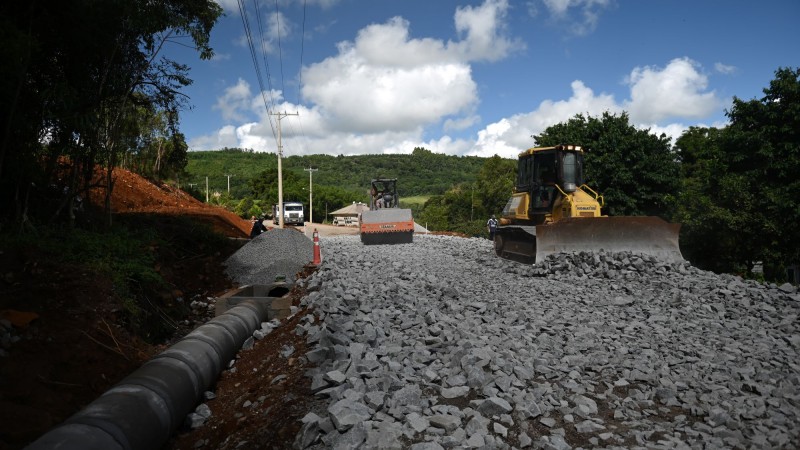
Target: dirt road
<point>327,230</point>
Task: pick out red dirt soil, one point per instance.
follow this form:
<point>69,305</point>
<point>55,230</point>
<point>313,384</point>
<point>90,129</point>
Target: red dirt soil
<point>71,348</point>
<point>134,194</point>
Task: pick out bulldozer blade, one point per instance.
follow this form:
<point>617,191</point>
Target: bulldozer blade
<point>646,235</point>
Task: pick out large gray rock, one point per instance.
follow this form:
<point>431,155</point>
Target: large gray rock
<point>346,413</point>
<point>495,406</point>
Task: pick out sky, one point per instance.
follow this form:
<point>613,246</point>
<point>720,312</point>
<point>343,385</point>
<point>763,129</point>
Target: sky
<point>473,77</point>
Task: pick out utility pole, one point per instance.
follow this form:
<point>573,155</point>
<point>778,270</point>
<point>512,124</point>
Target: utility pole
<point>280,168</point>
<point>229,183</point>
<point>310,189</point>
<point>206,189</point>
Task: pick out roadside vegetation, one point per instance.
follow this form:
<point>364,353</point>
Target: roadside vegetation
<point>133,256</point>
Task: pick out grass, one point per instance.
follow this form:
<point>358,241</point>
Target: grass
<point>416,201</point>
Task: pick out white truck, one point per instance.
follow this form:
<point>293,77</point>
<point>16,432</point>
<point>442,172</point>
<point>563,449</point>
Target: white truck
<point>292,214</point>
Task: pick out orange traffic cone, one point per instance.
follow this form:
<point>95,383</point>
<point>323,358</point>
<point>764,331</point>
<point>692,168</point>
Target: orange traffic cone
<point>317,256</point>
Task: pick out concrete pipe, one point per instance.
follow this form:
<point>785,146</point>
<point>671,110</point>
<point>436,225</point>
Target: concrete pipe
<point>148,406</point>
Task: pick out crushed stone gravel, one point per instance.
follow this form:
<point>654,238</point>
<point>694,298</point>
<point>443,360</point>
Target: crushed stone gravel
<point>440,344</point>
<point>272,254</point>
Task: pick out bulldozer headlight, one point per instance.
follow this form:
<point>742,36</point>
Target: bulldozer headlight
<point>570,187</point>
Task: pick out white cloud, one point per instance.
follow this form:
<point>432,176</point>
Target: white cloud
<point>675,130</point>
<point>388,92</point>
<point>391,119</point>
<point>509,136</point>
<point>221,57</point>
<point>588,13</point>
<point>386,80</point>
<point>675,91</point>
<point>229,5</point>
<point>724,68</point>
<point>388,45</point>
<point>384,83</point>
<point>483,30</point>
<point>278,27</point>
<point>224,137</point>
<point>235,99</point>
<point>384,88</point>
<point>325,4</point>
<point>363,98</point>
<point>460,123</point>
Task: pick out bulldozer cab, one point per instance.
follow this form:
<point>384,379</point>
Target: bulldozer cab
<point>540,170</point>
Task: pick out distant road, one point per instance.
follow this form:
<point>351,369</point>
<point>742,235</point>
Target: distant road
<point>333,230</point>
<point>327,230</point>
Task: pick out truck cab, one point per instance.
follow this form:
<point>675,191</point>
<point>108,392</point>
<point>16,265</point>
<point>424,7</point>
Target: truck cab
<point>292,214</point>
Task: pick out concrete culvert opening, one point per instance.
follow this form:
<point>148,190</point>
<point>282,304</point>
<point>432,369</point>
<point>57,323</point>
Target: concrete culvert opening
<point>278,291</point>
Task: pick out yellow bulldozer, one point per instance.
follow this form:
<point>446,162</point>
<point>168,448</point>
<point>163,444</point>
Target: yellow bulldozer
<point>552,211</point>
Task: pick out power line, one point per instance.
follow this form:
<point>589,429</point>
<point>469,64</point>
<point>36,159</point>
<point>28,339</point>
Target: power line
<point>302,50</point>
<point>264,53</point>
<point>280,51</point>
<point>269,100</point>
<point>249,35</point>
<point>300,76</point>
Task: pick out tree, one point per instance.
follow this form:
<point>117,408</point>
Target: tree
<point>465,206</point>
<point>77,76</point>
<point>634,170</point>
<point>494,185</point>
<point>331,198</point>
<point>708,203</point>
<point>742,193</point>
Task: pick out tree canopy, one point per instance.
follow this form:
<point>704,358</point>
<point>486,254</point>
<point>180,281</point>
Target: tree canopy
<point>635,170</point>
<point>85,83</point>
<point>741,191</point>
<point>420,173</point>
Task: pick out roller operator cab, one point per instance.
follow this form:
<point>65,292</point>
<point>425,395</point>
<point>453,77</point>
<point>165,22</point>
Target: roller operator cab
<point>552,210</point>
<point>385,222</point>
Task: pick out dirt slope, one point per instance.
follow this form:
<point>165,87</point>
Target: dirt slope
<point>134,194</point>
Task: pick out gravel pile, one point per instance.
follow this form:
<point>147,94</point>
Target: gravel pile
<point>439,344</point>
<point>625,265</point>
<point>275,253</point>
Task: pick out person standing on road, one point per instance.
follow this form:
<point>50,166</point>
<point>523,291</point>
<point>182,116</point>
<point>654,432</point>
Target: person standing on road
<point>258,227</point>
<point>491,225</point>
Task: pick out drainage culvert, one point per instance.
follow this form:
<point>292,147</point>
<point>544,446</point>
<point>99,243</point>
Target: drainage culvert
<point>148,406</point>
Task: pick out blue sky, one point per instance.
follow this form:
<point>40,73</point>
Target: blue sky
<point>475,77</point>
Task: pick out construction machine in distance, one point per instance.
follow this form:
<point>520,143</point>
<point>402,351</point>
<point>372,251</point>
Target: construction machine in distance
<point>385,222</point>
<point>552,211</point>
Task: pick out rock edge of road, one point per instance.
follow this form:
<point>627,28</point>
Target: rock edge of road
<point>439,344</point>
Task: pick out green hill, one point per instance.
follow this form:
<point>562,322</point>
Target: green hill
<point>422,173</point>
